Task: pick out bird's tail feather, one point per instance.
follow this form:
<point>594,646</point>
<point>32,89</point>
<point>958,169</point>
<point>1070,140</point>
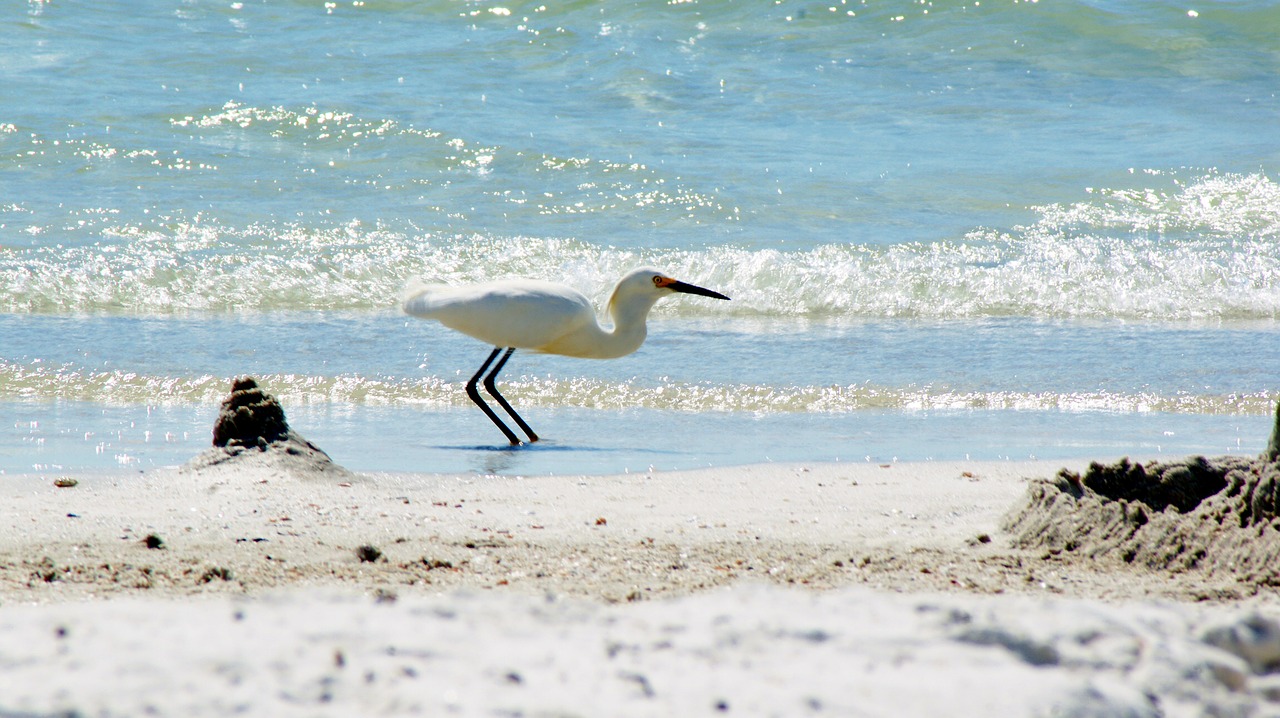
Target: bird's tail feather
<point>414,292</point>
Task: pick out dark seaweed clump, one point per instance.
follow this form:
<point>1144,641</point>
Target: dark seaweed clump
<point>249,417</point>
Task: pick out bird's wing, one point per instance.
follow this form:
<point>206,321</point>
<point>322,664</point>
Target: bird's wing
<point>525,314</point>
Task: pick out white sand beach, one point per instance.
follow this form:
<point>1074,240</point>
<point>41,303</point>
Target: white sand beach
<point>266,586</point>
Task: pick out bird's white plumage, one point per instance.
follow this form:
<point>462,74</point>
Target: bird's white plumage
<point>521,313</point>
<point>545,316</point>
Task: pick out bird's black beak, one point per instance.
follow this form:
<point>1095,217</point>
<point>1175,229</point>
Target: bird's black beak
<point>678,286</point>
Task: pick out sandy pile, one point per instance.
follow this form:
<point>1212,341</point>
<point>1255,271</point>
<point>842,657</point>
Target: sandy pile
<point>251,431</point>
<point>1215,517</point>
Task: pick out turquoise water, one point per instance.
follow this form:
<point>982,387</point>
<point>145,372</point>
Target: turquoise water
<point>997,229</point>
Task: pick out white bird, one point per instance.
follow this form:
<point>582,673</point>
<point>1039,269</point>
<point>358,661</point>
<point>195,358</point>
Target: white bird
<point>544,317</point>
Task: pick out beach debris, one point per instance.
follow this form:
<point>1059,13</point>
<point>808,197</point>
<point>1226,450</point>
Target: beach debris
<point>216,572</point>
<point>368,553</point>
<point>1205,514</point>
<point>65,482</point>
<point>251,426</point>
<point>641,682</point>
<point>45,571</point>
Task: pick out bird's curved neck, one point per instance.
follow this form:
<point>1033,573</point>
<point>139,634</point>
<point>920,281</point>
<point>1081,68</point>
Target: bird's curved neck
<point>629,329</point>
<point>594,341</point>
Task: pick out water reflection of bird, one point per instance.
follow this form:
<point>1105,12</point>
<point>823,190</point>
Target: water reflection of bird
<point>543,317</point>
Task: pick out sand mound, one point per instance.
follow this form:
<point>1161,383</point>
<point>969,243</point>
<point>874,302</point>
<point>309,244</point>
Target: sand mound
<point>251,429</point>
<point>1218,516</point>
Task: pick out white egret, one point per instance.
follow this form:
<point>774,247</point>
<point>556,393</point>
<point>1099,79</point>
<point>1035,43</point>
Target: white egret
<point>545,317</point>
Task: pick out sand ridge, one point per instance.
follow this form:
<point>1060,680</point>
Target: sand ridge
<point>1202,517</point>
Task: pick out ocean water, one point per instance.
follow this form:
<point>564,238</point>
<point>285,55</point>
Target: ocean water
<point>950,229</point>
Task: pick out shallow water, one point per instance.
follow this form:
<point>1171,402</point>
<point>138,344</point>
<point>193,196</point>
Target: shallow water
<point>996,229</point>
<point>762,390</point>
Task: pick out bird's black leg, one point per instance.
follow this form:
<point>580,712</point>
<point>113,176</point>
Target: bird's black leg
<point>493,391</point>
<point>475,394</point>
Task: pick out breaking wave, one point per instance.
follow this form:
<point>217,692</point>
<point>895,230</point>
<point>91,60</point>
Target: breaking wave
<point>1207,249</point>
<point>28,382</point>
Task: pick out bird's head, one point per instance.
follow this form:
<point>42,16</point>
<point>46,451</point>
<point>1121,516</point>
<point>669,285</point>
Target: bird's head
<point>652,283</point>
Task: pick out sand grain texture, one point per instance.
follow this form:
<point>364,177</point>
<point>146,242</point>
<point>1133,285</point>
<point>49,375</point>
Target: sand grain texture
<point>822,589</point>
<point>1200,516</point>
